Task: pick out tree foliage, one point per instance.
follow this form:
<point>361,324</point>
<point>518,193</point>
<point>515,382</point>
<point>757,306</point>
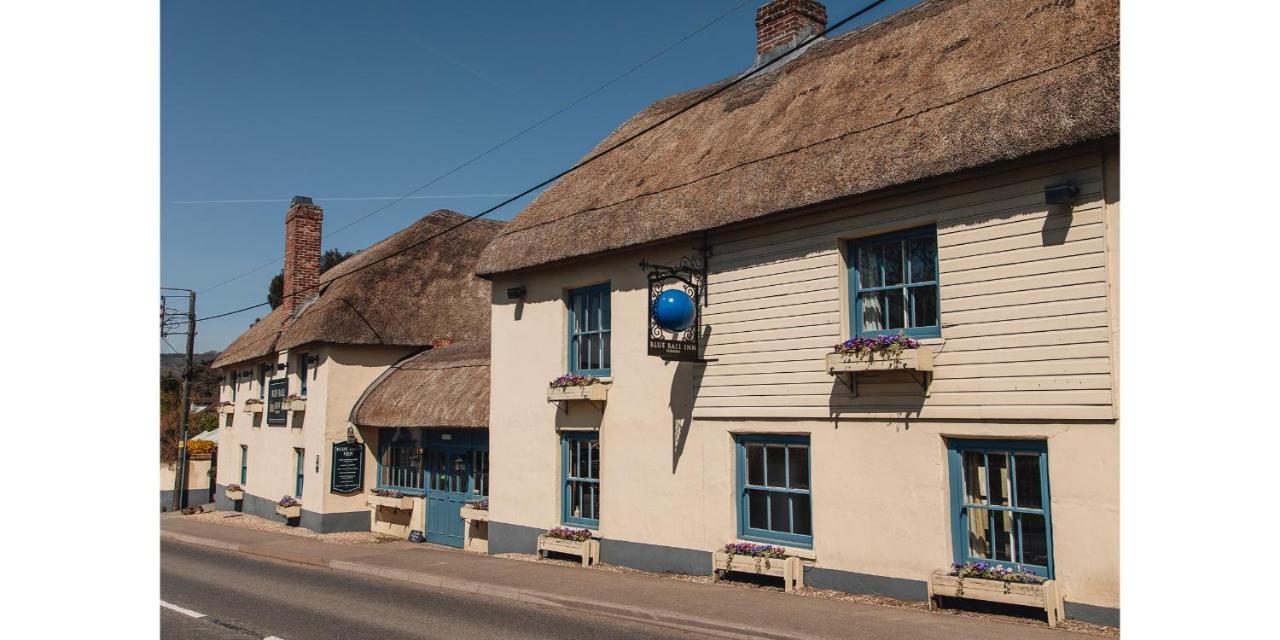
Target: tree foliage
<point>328,260</point>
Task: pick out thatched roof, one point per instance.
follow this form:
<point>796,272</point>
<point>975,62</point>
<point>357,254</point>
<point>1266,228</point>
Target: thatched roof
<point>430,291</point>
<point>946,86</point>
<point>446,387</point>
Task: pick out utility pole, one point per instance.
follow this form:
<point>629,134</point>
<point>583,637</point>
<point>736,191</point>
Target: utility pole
<point>180,477</point>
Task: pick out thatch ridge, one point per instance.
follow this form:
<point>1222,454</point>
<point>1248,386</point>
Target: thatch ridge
<point>446,387</point>
<point>947,86</point>
<point>397,294</point>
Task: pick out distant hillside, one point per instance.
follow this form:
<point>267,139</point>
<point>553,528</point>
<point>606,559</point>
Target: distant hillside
<point>204,383</point>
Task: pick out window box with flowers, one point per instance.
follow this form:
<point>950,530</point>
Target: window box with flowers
<point>991,582</point>
<point>475,510</point>
<point>572,386</point>
<point>295,402</point>
<point>389,498</point>
<point>234,492</point>
<point>225,407</point>
<point>760,559</point>
<point>574,542</point>
<point>880,354</point>
<point>289,508</point>
<point>254,405</point>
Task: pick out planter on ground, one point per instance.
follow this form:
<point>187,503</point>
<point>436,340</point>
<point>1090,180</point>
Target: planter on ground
<point>920,359</point>
<point>594,392</point>
<point>475,528</point>
<point>403,502</point>
<point>234,494</point>
<point>1044,595</point>
<point>469,512</point>
<point>588,550</point>
<point>289,512</point>
<point>788,568</point>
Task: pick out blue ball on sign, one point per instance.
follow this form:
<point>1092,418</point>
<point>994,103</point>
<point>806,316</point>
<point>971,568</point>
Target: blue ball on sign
<point>674,310</point>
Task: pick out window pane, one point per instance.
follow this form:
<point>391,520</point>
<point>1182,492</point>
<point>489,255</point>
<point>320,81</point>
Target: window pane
<point>776,466</point>
<point>999,478</point>
<point>868,260</point>
<point>593,351</point>
<point>580,311</point>
<point>755,464</point>
<point>798,467</point>
<point>580,346</point>
<point>604,310</point>
<point>605,364</point>
<point>594,451</point>
<point>802,514</point>
<point>757,509</point>
<point>922,259</point>
<point>593,312</point>
<point>779,513</point>
<point>1004,535</point>
<point>595,502</point>
<point>894,309</point>
<point>872,311</point>
<point>924,306</point>
<point>1035,546</point>
<point>979,538</point>
<point>975,478</point>
<point>1027,468</point>
<point>893,263</point>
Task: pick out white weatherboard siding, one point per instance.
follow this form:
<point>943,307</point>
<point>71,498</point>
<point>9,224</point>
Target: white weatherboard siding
<point>1026,328</point>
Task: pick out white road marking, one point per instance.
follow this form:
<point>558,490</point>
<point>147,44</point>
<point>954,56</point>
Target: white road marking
<point>186,612</point>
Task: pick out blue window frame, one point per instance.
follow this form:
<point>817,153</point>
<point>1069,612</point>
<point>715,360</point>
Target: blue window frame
<point>299,455</point>
<point>400,460</point>
<point>580,452</point>
<point>244,465</point>
<point>774,492</point>
<point>302,374</point>
<point>893,284</point>
<point>589,330</point>
<point>1000,503</point>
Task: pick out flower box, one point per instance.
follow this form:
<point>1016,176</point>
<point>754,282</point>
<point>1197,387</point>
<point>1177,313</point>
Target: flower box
<point>234,494</point>
<point>1043,595</point>
<point>224,409</point>
<point>291,512</point>
<point>468,512</point>
<point>402,502</point>
<point>788,568</point>
<point>254,407</point>
<point>296,405</point>
<point>588,550</point>
<point>920,359</point>
<point>595,392</point>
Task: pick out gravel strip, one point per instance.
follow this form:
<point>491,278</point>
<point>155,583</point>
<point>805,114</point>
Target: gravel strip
<point>249,521</point>
<point>730,582</point>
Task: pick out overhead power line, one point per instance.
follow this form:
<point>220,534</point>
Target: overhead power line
<point>725,87</point>
<point>503,143</point>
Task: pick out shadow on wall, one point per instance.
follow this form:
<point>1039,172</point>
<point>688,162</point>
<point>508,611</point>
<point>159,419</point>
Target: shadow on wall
<point>685,385</point>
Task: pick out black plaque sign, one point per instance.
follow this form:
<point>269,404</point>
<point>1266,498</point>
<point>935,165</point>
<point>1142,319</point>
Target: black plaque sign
<point>276,391</point>
<point>690,275</point>
<point>348,468</point>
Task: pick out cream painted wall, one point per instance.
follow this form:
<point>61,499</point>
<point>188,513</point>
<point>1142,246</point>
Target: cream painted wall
<point>337,380</point>
<point>880,481</point>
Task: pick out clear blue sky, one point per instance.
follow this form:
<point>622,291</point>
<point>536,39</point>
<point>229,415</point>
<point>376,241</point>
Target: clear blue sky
<point>345,101</point>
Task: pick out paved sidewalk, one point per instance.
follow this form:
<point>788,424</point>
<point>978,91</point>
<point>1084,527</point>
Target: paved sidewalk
<point>704,608</point>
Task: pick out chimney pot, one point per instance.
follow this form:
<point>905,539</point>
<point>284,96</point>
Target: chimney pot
<point>303,224</point>
<point>440,343</point>
<point>783,24</point>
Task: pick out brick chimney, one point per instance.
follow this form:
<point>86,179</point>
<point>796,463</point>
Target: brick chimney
<point>782,24</point>
<point>302,229</point>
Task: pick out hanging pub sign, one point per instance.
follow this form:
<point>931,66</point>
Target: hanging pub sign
<point>348,468</point>
<point>675,308</point>
<point>276,391</point>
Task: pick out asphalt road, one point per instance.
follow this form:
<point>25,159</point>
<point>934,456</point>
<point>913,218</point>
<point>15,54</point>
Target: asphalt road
<point>242,597</point>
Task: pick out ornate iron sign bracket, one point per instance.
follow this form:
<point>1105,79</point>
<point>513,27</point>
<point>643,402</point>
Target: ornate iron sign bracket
<point>689,276</point>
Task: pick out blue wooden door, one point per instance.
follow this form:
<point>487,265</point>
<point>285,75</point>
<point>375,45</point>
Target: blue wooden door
<point>449,486</point>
